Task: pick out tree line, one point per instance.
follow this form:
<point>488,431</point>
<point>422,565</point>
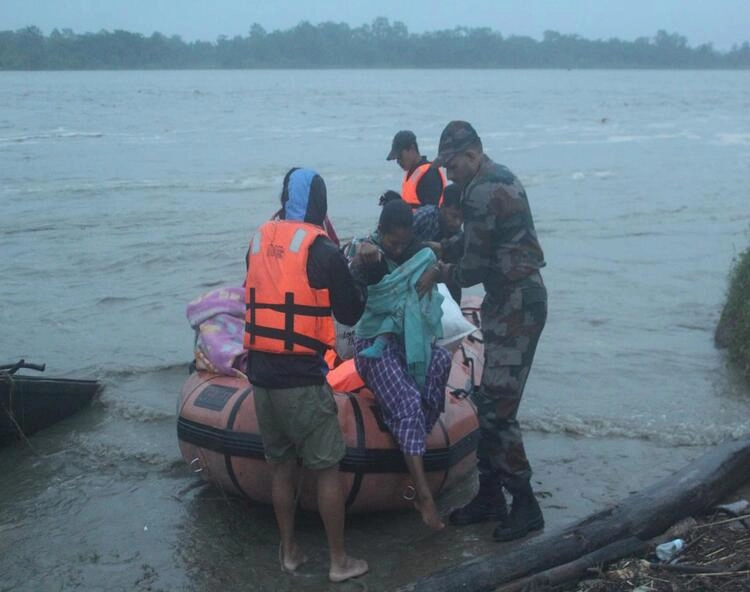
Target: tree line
<point>380,44</point>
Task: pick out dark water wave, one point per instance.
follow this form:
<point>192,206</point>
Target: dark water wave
<point>229,186</point>
<point>27,229</point>
<point>114,375</point>
<point>114,300</point>
<point>94,453</point>
<point>55,135</point>
<point>673,435</point>
<point>131,370</point>
<point>131,411</point>
<point>212,284</point>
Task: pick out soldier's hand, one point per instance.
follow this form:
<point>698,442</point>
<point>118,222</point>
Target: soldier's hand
<point>427,280</point>
<point>436,248</point>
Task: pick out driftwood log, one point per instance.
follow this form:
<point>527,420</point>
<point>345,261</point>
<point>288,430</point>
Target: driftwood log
<point>616,532</point>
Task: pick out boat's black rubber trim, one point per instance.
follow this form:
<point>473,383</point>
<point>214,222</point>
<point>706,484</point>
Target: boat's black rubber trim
<point>358,473</point>
<point>356,460</point>
<point>224,442</point>
<point>447,442</point>
<point>230,425</point>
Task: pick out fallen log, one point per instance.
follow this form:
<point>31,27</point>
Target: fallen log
<point>642,516</point>
<point>577,568</point>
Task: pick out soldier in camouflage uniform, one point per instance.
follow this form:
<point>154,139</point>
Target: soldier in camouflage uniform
<point>501,251</point>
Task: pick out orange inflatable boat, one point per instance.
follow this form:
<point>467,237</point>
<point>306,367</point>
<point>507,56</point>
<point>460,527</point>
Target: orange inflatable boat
<point>218,435</point>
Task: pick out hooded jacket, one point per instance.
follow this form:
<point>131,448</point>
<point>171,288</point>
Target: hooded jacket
<point>305,200</point>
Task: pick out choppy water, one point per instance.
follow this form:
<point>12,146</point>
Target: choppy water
<point>125,194</point>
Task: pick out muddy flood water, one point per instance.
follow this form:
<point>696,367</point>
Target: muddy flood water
<point>124,195</point>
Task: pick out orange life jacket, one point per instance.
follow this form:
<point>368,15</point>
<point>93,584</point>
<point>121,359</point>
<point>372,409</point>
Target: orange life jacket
<point>344,378</point>
<point>409,186</point>
<point>283,313</point>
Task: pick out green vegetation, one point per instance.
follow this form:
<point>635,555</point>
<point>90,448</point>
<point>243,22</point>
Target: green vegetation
<point>736,314</point>
<point>337,45</point>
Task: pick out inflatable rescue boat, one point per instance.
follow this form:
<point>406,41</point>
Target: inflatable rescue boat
<point>219,438</point>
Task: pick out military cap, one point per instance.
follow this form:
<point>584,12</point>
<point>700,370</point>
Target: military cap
<point>457,136</point>
<point>401,141</point>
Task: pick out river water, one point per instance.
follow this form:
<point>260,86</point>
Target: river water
<point>123,195</point>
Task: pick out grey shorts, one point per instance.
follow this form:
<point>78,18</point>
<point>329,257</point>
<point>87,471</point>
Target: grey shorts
<point>300,422</point>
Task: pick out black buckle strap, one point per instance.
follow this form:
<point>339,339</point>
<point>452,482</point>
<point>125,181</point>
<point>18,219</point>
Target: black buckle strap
<point>288,320</point>
<point>288,335</point>
<point>289,339</point>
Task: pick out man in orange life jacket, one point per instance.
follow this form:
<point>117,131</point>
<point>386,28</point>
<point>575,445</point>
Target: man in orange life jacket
<point>423,185</point>
<point>296,278</point>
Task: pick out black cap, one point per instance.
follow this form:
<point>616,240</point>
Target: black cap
<point>457,136</point>
<point>401,141</point>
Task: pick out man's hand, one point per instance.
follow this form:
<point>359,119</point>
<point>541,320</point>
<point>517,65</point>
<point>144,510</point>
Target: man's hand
<point>427,280</point>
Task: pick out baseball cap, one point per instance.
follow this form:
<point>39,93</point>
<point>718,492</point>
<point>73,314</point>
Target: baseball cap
<point>401,141</point>
<point>457,136</point>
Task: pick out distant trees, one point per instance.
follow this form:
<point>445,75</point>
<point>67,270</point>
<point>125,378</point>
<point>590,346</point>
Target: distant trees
<point>381,44</point>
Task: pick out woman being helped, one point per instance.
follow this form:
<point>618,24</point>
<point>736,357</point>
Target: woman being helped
<point>408,372</point>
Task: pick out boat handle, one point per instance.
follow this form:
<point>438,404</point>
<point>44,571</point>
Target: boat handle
<point>410,494</point>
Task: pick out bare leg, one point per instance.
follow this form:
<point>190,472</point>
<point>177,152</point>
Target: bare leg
<point>425,504</point>
<point>283,487</point>
<point>331,508</point>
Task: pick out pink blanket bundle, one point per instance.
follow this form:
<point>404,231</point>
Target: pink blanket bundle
<point>218,318</point>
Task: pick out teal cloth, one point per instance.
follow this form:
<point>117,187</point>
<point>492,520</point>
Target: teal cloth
<point>393,306</point>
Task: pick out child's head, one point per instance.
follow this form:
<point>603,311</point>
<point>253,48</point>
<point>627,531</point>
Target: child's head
<point>387,196</point>
<point>450,215</point>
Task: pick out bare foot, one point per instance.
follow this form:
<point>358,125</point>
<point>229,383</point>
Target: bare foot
<point>430,515</point>
<point>292,561</point>
<point>349,568</point>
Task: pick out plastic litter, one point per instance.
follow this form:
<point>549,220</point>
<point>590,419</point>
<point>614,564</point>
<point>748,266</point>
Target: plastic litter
<point>736,508</point>
<point>667,551</point>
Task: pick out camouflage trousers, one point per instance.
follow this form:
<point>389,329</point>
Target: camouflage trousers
<point>511,328</point>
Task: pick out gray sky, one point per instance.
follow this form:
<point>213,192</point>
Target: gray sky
<point>722,22</point>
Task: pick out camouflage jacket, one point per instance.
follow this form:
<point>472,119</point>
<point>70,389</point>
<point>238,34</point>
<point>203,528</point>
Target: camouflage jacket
<point>501,249</point>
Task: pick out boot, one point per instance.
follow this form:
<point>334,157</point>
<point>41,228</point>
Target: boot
<point>525,516</point>
<point>488,505</point>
